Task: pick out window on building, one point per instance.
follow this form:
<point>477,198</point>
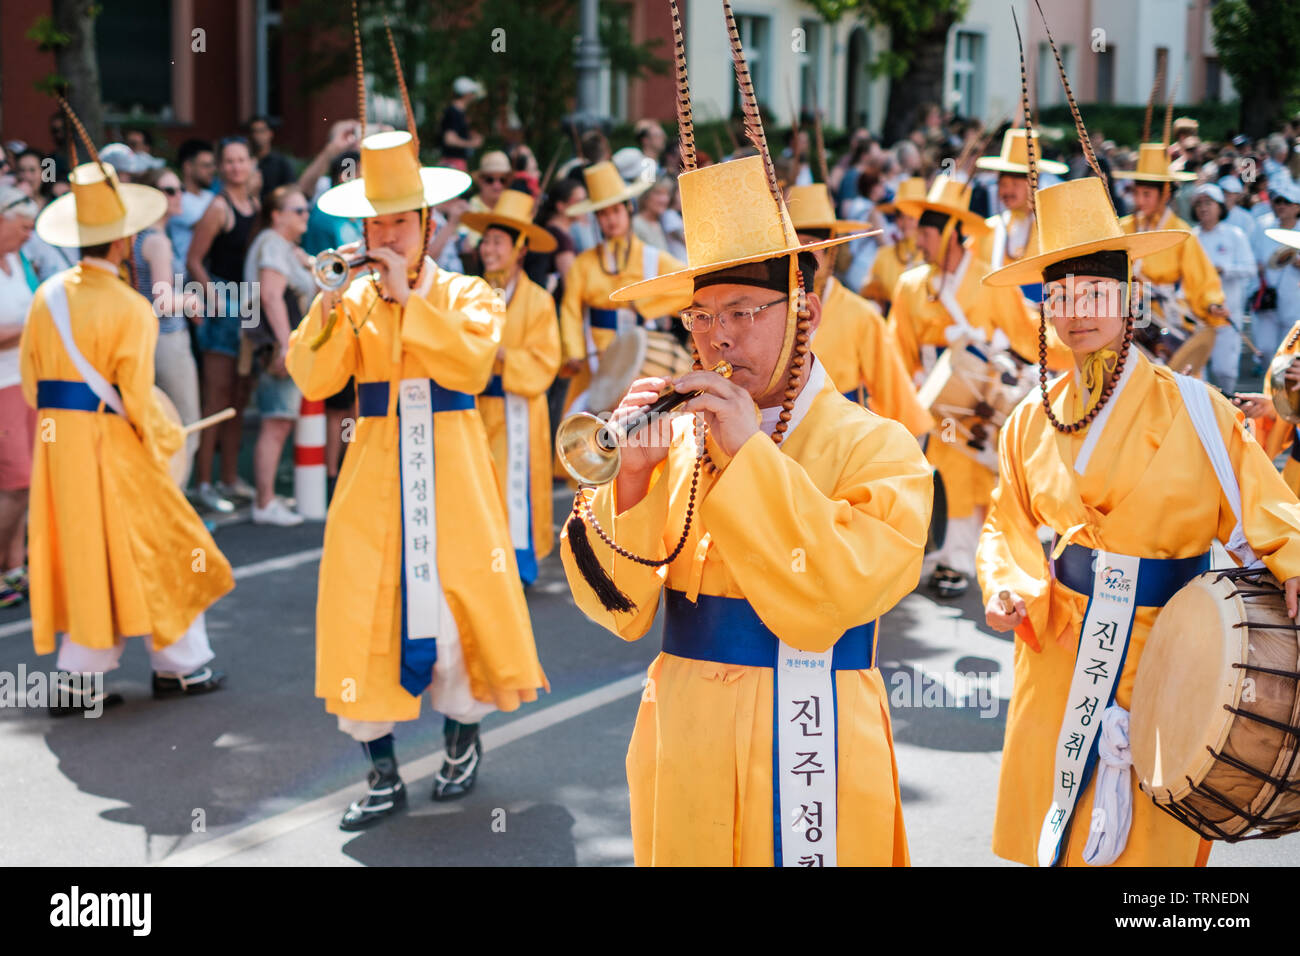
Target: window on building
<point>1161,70</point>
<point>1050,91</point>
<point>1106,74</point>
<point>133,44</point>
<point>968,69</point>
<point>270,60</point>
<point>1213,80</point>
<point>810,87</point>
<point>756,38</point>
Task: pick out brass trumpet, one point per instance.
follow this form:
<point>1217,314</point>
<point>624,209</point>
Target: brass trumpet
<point>589,448</point>
<point>332,270</point>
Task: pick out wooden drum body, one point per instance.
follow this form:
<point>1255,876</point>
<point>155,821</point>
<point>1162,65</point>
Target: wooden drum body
<point>1215,720</point>
<point>976,390</point>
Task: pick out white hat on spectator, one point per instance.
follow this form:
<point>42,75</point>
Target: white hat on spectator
<point>465,86</point>
<point>1231,184</point>
<point>126,160</point>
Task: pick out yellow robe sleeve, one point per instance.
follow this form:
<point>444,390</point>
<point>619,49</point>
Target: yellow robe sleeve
<point>133,373</point>
<point>891,392</point>
<point>1201,281</point>
<point>455,341</point>
<point>530,368</point>
<point>902,330</point>
<point>324,372</point>
<point>817,565</point>
<point>572,338</point>
<point>1010,555</point>
<point>1269,512</point>
<point>640,530</point>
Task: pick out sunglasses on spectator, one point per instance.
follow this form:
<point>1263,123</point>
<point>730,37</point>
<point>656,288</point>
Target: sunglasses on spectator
<point>500,180</point>
<point>171,190</point>
<point>297,210</point>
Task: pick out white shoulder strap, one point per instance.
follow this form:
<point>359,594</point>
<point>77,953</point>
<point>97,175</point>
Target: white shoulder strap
<point>56,300</point>
<point>1196,398</point>
<point>649,261</point>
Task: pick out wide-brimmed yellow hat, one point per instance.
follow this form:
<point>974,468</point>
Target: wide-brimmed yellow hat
<point>514,210</point>
<point>949,197</point>
<point>99,210</point>
<point>911,188</point>
<point>605,187</point>
<point>729,217</point>
<point>1153,167</point>
<point>1075,218</point>
<point>811,208</point>
<point>1014,157</point>
<point>392,180</point>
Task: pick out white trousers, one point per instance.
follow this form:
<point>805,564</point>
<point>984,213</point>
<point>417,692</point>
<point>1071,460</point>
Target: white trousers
<point>960,541</point>
<point>449,695</point>
<point>185,656</point>
<point>1266,331</point>
<point>1225,358</point>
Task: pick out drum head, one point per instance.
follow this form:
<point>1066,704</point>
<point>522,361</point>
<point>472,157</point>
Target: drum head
<point>1186,678</point>
<point>1286,400</point>
<point>938,516</point>
<point>620,365</point>
<point>1190,357</point>
<point>179,461</point>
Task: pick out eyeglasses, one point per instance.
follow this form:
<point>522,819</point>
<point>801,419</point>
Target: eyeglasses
<point>171,190</point>
<point>499,180</point>
<point>701,320</point>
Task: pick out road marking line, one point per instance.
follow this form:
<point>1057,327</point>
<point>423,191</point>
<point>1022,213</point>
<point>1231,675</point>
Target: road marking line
<point>284,562</point>
<point>332,804</point>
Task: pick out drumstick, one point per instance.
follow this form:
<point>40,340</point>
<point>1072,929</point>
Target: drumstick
<point>1004,598</point>
<point>212,419</point>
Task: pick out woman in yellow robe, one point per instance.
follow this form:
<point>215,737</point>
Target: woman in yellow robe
<point>369,670</point>
<point>1143,492</point>
<point>116,550</point>
<point>525,367</point>
<point>794,550</point>
<point>589,318</point>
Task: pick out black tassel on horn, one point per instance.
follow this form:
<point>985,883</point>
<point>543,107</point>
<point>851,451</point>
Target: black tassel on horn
<point>592,571</point>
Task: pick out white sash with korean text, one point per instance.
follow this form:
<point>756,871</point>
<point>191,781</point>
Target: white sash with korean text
<point>427,613</point>
<point>805,719</point>
<point>1103,640</point>
<point>517,452</point>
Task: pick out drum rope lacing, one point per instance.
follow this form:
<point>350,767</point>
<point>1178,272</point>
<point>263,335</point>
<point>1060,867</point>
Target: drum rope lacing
<point>1282,785</point>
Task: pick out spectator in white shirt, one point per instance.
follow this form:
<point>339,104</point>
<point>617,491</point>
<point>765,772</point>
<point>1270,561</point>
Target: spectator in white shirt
<point>1230,252</point>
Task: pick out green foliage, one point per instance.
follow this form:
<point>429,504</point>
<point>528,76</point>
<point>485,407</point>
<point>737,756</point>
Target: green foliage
<point>907,20</point>
<point>522,51</point>
<point>1259,43</point>
<point>46,35</point>
<point>1123,124</point>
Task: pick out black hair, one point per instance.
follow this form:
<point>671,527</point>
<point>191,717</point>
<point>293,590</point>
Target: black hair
<point>559,192</point>
<point>191,148</point>
<point>231,141</point>
<point>339,163</point>
<point>99,251</point>
<point>145,134</point>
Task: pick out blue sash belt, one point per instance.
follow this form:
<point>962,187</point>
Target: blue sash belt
<point>729,631</point>
<point>68,395</point>
<point>372,399</point>
<point>1295,445</point>
<point>858,396</point>
<point>1159,579</point>
<point>494,388</point>
<point>603,318</point>
<point>1033,291</point>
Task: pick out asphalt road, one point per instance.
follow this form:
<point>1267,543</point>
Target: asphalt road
<point>257,774</point>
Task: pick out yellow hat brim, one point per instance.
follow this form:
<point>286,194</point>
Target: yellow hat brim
<point>630,191</point>
<point>1153,177</point>
<point>1137,245</point>
<point>682,281</point>
<point>57,224</point>
<point>539,239</point>
<point>836,226</point>
<point>973,222</point>
<point>348,200</point>
<point>998,165</point>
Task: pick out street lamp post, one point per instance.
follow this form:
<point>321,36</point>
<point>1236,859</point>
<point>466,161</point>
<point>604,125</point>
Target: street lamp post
<point>588,61</point>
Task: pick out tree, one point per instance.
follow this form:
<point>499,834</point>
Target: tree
<point>1259,46</point>
<point>69,33</point>
<point>918,38</point>
<point>520,50</point>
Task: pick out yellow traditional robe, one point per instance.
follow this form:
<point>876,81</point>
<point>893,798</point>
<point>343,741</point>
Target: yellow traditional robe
<point>887,268</point>
<point>1274,434</point>
<point>820,535</point>
<point>449,333</point>
<point>920,319</point>
<point>1148,491</point>
<point>1186,263</point>
<point>852,343</point>
<point>588,285</point>
<point>531,339</point>
<point>115,549</point>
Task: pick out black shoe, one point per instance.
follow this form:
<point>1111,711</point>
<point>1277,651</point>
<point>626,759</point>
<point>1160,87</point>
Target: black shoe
<point>387,793</point>
<point>459,770</point>
<point>949,583</point>
<point>202,681</point>
<point>76,700</point>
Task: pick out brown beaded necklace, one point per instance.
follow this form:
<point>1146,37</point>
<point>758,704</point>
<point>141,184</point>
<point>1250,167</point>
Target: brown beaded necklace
<point>1107,390</point>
